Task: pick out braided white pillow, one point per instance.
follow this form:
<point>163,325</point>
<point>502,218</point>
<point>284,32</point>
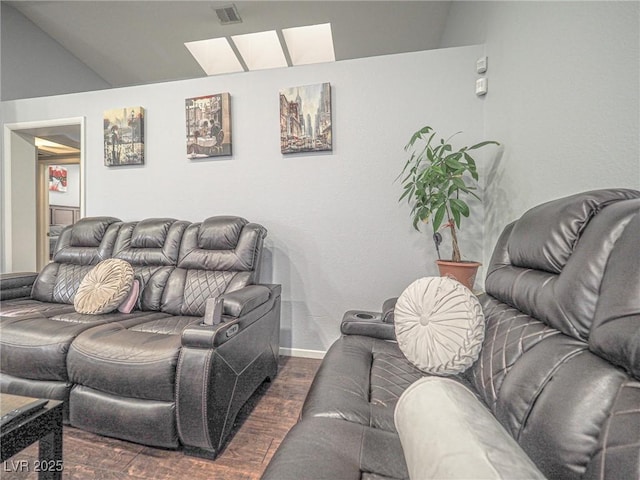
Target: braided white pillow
<point>439,325</point>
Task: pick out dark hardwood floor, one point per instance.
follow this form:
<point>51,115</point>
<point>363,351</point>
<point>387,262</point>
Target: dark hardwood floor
<point>260,427</point>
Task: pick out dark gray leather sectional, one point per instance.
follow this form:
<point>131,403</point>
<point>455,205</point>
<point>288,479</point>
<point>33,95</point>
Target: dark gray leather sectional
<point>158,375</point>
<point>559,368</point>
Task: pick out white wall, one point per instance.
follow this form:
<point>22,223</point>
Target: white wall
<point>23,213</point>
<point>70,198</point>
<point>34,64</point>
<point>338,239</point>
<point>563,99</point>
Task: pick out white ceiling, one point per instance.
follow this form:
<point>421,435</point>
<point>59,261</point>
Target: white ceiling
<point>139,42</point>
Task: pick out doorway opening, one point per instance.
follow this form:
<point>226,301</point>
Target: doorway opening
<point>38,158</point>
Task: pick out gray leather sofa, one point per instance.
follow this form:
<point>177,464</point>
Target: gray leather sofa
<point>559,368</point>
<point>158,375</point>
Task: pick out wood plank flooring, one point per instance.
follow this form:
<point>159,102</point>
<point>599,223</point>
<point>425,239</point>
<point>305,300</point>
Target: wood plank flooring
<point>259,429</point>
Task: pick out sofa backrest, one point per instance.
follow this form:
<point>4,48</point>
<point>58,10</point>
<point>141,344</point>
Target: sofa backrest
<point>219,255</point>
<point>151,246</point>
<point>80,247</point>
<point>560,364</point>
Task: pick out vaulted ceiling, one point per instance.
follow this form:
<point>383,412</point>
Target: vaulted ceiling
<point>139,42</point>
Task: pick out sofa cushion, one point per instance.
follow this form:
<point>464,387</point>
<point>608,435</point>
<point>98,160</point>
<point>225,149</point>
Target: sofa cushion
<point>26,307</point>
<point>87,242</point>
<point>329,449</point>
<point>575,235</point>
<point>220,233</point>
<point>36,347</point>
<point>360,380</point>
<point>545,237</point>
<point>219,255</point>
<point>105,287</point>
<point>439,325</point>
<point>446,432</point>
<point>147,346</point>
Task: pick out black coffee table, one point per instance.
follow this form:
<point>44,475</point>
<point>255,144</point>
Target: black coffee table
<point>45,426</point>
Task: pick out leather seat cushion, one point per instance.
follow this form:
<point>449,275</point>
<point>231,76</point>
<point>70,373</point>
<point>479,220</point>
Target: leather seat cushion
<point>360,380</point>
<point>105,287</point>
<point>22,307</point>
<point>147,348</point>
<point>36,348</point>
<point>439,325</point>
<point>322,448</point>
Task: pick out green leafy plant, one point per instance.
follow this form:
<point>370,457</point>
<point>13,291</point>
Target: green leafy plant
<point>435,179</point>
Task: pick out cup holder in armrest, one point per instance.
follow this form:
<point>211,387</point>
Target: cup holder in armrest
<point>361,322</point>
<point>362,316</point>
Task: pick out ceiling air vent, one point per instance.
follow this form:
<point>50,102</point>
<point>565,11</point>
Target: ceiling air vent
<point>228,14</point>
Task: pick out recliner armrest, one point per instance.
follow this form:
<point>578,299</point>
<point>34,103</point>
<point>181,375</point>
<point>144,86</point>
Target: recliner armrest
<point>239,302</point>
<point>388,308</point>
<point>16,285</point>
<point>219,365</point>
<point>369,324</point>
<point>234,311</point>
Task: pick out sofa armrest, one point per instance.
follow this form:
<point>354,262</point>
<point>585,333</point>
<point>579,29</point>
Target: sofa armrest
<point>369,324</point>
<point>388,308</point>
<point>16,285</point>
<point>226,315</point>
<point>221,365</point>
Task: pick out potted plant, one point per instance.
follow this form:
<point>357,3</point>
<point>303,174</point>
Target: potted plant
<point>435,180</point>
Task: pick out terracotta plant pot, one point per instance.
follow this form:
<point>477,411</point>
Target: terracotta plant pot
<point>464,272</point>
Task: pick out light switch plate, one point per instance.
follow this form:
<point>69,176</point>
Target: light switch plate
<point>481,65</point>
<point>481,86</point>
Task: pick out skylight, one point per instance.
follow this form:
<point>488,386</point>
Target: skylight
<point>215,56</point>
<point>312,44</point>
<point>305,45</point>
<point>260,50</point>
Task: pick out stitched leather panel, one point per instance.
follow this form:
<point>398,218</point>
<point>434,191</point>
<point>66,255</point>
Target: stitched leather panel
<point>531,374</point>
<point>618,453</point>
<point>68,281</point>
<point>201,285</point>
<point>168,326</point>
<point>390,377</point>
<point>115,316</point>
<point>509,333</point>
<point>154,241</point>
<point>29,308</point>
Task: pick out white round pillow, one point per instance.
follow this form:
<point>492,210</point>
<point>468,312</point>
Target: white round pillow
<point>439,325</point>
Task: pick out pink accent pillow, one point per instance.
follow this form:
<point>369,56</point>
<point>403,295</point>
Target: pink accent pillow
<point>127,305</point>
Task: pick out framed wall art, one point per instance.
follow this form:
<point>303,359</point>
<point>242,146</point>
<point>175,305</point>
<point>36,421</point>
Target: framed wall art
<point>124,136</point>
<point>305,119</point>
<point>57,178</point>
<point>208,126</point>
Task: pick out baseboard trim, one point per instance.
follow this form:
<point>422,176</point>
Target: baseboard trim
<point>300,352</point>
